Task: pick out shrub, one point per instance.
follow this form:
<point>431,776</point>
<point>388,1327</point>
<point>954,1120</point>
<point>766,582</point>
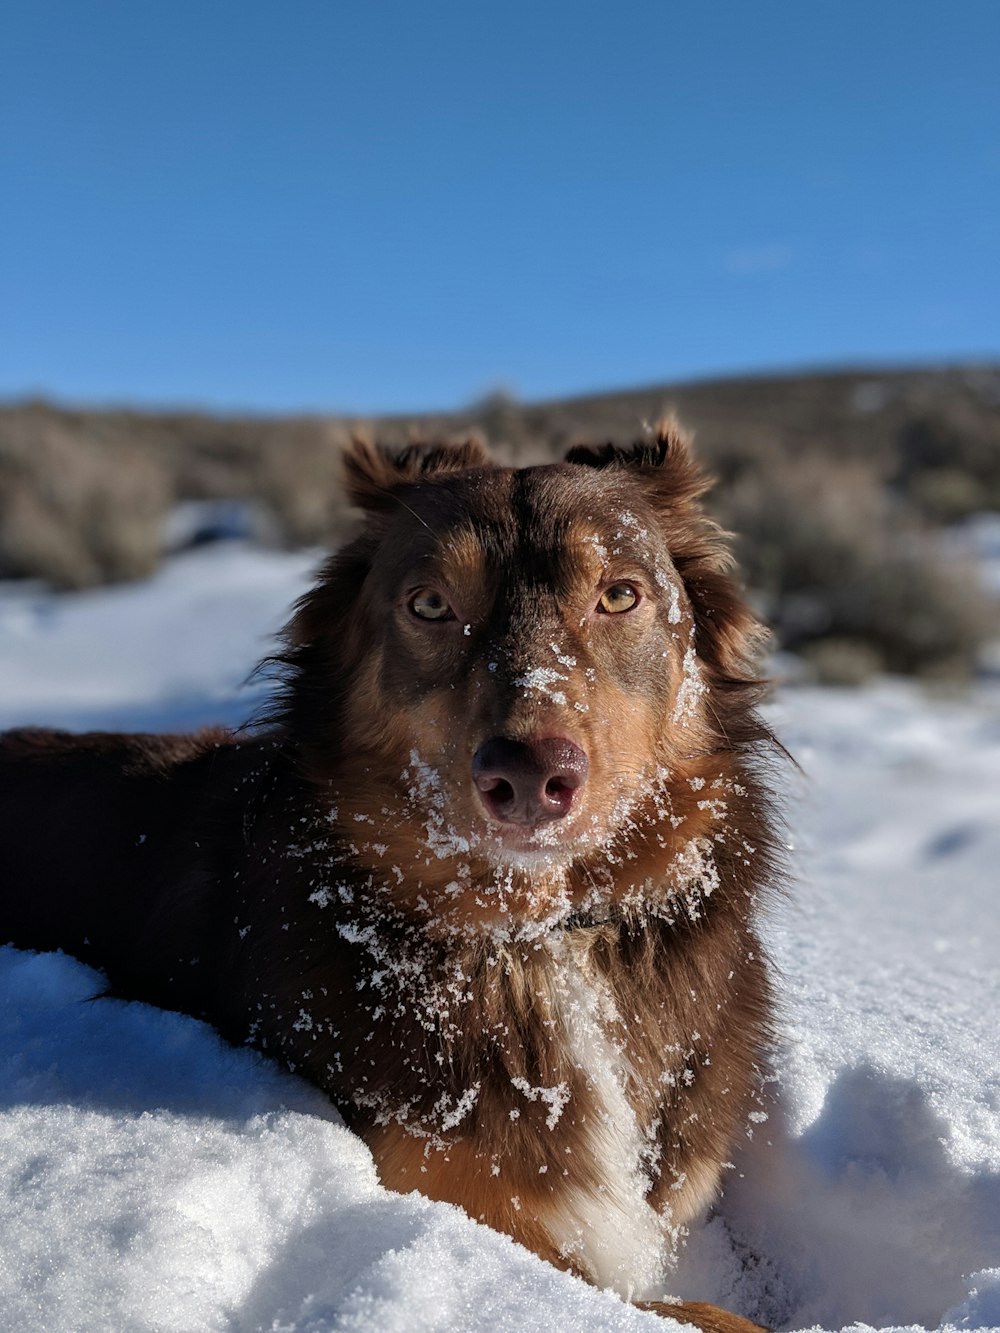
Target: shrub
<point>76,510</point>
<point>835,560</point>
<point>297,475</point>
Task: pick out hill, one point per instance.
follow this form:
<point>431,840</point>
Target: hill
<point>838,484</point>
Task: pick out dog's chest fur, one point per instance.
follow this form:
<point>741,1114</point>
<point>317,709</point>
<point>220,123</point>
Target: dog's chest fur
<point>509,1087</point>
<point>579,1089</point>
<point>605,1224</point>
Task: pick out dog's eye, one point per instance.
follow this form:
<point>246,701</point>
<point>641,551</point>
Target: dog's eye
<point>619,597</point>
<point>428,604</point>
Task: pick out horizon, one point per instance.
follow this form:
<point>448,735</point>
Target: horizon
<point>765,376</point>
<point>391,212</point>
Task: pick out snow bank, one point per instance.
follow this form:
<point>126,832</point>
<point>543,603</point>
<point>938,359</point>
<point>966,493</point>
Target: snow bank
<point>874,1195</point>
<point>169,654</point>
<point>155,1179</point>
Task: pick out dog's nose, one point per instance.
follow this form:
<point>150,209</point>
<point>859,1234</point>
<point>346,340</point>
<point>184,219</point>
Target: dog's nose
<point>528,782</point>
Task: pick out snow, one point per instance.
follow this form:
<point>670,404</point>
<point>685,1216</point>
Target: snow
<point>167,655</point>
<point>880,1198</point>
<point>154,1178</point>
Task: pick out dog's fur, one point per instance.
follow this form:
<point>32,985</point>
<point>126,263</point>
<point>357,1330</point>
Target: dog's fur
<point>552,1013</point>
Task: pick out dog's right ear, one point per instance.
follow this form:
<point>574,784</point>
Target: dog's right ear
<point>373,473</point>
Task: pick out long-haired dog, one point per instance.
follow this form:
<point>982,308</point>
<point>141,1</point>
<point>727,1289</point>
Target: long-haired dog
<point>489,876</point>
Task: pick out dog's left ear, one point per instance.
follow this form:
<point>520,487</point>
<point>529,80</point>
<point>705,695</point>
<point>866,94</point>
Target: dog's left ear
<point>373,473</point>
<point>665,461</point>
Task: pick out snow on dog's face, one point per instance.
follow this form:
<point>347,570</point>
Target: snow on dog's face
<point>519,669</point>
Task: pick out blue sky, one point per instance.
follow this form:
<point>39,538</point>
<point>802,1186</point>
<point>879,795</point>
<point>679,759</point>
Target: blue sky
<point>385,206</point>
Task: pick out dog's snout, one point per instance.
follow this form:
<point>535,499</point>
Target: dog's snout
<point>529,782</point>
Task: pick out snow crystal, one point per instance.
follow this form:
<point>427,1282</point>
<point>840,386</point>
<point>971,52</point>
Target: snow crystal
<point>541,679</point>
<point>554,1098</point>
<point>691,688</point>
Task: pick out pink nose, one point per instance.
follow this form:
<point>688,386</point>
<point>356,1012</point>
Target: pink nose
<point>528,782</point>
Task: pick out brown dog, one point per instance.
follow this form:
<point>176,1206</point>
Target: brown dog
<point>489,877</point>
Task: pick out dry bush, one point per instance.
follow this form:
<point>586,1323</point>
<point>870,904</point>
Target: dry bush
<point>297,475</point>
<point>77,510</point>
<point>836,483</point>
<point>849,662</point>
<point>838,562</point>
<point>948,467</point>
<point>211,458</point>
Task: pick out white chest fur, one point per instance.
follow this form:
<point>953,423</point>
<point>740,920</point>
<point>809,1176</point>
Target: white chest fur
<point>604,1225</point>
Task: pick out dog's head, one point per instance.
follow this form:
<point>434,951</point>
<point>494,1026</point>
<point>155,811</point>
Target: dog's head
<point>539,670</point>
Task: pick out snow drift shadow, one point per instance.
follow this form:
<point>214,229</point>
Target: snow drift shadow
<point>398,1263</point>
<point>59,1044</point>
<point>863,1218</point>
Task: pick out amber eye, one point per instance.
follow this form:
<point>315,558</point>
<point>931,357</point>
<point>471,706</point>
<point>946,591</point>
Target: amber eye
<point>619,597</point>
<point>428,604</point>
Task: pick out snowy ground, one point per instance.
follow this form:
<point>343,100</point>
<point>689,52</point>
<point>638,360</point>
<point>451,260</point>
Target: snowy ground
<point>155,1179</point>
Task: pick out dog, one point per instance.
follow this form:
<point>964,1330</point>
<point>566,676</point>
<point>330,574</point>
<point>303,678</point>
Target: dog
<point>489,870</point>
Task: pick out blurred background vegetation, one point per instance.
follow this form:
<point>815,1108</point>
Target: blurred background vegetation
<point>850,493</point>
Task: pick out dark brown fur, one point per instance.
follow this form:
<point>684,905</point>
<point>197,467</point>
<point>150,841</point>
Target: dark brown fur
<point>333,891</point>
